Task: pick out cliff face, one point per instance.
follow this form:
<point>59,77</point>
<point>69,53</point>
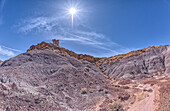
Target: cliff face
<point>137,64</point>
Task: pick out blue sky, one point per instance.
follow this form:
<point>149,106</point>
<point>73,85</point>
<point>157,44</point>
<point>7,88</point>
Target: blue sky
<point>101,28</point>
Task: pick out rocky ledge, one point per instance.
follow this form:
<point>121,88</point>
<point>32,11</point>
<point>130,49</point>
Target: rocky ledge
<point>60,50</point>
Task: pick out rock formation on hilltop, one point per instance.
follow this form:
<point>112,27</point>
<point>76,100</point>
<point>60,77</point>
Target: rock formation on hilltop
<point>56,42</point>
<point>60,50</point>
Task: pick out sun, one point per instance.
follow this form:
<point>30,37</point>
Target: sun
<point>72,11</point>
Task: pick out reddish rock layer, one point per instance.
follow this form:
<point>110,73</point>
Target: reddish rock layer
<point>60,50</point>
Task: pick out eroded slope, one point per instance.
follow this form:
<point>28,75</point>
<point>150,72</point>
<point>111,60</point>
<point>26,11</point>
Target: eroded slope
<point>45,80</point>
<point>137,64</point>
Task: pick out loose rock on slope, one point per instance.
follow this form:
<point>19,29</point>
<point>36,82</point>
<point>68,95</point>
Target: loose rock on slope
<point>45,80</point>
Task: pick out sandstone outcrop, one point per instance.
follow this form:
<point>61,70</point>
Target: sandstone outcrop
<point>60,50</point>
<point>1,62</point>
<point>56,42</point>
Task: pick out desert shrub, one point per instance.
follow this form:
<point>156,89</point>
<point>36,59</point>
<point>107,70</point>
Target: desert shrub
<point>150,90</point>
<point>106,91</point>
<point>107,77</point>
<point>124,82</point>
<point>104,109</point>
<point>37,101</point>
<point>115,85</point>
<point>125,87</point>
<point>124,96</point>
<point>116,107</point>
<point>135,85</point>
<point>83,91</point>
<point>152,84</point>
<point>100,90</point>
<point>3,87</point>
<point>14,86</point>
<point>86,69</point>
<point>88,66</point>
<point>85,73</point>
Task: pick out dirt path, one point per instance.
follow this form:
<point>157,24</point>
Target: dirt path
<point>146,104</point>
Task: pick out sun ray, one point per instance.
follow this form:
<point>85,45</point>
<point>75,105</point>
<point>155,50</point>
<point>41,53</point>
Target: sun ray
<point>72,11</point>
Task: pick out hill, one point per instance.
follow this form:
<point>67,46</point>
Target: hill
<point>45,80</point>
<point>49,77</point>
